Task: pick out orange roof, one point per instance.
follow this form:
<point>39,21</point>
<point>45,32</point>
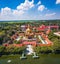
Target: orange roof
<point>18,45</point>
<point>26,42</point>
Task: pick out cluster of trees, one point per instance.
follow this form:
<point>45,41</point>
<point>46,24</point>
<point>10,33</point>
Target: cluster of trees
<point>56,41</point>
<point>7,30</point>
<point>43,49</point>
<point>11,50</point>
<point>53,37</point>
<point>55,48</point>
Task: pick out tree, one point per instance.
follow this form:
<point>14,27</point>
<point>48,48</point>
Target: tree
<point>16,42</point>
<point>56,45</point>
<point>14,50</point>
<point>37,49</point>
<point>2,48</point>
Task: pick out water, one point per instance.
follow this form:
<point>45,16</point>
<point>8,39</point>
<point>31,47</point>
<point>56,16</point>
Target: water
<point>43,59</point>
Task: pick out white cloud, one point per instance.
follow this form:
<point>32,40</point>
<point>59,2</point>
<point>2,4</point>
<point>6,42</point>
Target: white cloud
<point>10,14</point>
<point>41,8</point>
<point>57,1</point>
<point>6,11</point>
<point>51,14</point>
<point>26,5</point>
<point>39,3</point>
<point>18,12</point>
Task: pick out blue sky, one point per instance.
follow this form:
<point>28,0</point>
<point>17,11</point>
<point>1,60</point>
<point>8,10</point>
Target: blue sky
<point>29,9</point>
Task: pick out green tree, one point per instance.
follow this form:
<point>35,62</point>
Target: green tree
<point>2,48</point>
<point>37,49</point>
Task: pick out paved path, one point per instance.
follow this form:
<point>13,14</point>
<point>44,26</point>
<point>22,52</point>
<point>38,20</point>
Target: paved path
<point>42,39</point>
<point>29,50</point>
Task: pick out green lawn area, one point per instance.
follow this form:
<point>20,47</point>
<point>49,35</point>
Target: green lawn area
<point>43,59</point>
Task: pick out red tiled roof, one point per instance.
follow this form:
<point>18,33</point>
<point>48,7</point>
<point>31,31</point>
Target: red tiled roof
<point>42,27</point>
<point>18,45</point>
<point>33,42</point>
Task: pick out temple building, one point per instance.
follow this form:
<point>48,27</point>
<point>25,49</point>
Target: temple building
<point>29,33</point>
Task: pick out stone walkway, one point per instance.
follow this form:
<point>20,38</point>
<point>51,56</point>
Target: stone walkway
<point>29,50</point>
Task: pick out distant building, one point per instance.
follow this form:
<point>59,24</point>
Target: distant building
<point>23,28</point>
<point>57,33</point>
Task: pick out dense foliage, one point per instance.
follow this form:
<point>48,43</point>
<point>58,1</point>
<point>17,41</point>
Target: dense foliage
<point>11,50</point>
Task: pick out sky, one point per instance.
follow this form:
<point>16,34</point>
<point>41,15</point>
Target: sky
<point>29,9</point>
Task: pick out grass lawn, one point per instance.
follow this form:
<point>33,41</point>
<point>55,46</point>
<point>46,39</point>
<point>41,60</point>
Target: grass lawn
<point>43,59</point>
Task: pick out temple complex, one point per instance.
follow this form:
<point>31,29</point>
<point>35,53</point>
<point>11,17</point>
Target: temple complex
<point>36,36</point>
<point>32,35</point>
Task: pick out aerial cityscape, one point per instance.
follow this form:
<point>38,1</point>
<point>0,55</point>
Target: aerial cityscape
<point>30,32</point>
